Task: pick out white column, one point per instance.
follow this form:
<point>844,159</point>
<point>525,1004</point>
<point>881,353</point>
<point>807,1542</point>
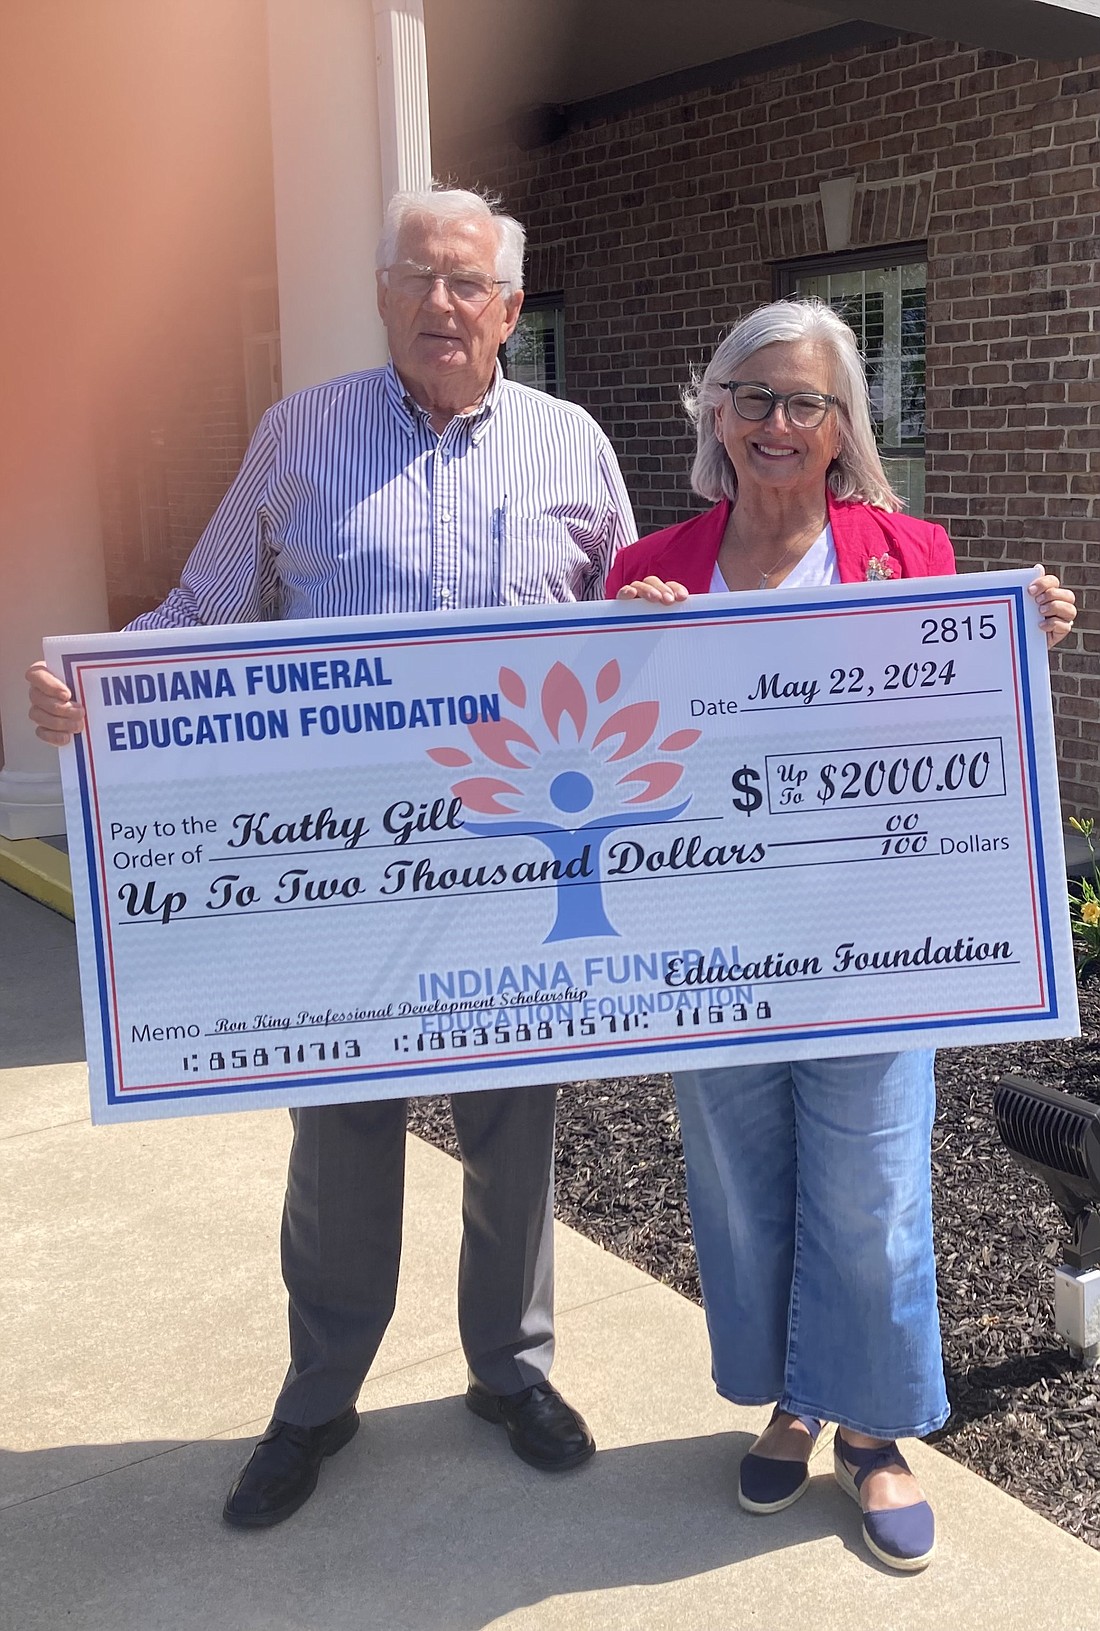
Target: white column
<point>51,556</point>
<point>349,123</point>
<point>403,129</point>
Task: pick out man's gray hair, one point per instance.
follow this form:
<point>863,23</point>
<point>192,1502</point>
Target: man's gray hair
<point>455,204</point>
<point>857,471</point>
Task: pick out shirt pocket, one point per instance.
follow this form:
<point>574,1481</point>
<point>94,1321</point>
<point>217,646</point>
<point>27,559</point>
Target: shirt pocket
<point>540,560</point>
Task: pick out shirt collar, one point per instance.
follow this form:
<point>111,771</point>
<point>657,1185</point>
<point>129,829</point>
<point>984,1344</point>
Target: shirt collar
<point>410,413</point>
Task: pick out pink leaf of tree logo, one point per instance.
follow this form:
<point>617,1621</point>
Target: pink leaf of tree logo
<point>679,741</point>
<point>657,779</point>
<point>481,793</point>
<point>563,696</point>
<point>512,688</point>
<point>493,736</point>
<point>635,724</point>
<point>608,681</point>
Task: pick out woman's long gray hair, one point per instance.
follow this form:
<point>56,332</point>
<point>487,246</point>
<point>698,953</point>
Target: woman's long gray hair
<point>856,473</point>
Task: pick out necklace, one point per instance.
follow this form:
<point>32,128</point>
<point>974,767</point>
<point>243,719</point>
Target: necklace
<point>776,564</point>
<point>779,560</point>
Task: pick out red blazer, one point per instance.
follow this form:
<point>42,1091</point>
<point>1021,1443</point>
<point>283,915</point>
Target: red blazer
<point>687,552</point>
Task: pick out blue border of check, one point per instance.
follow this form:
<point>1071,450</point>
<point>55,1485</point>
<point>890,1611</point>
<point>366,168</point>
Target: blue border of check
<point>967,590</point>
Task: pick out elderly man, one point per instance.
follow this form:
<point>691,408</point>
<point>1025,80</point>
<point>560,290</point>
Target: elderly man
<point>431,483</point>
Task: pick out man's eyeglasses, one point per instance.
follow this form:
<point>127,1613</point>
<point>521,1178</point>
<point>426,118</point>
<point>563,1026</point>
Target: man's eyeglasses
<point>467,288</point>
<point>803,408</point>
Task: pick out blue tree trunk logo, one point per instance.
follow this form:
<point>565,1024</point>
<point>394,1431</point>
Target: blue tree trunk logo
<point>622,773</point>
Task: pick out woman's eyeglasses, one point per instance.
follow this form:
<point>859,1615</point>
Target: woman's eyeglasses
<point>802,408</point>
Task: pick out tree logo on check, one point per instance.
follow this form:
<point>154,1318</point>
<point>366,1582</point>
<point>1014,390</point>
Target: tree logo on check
<point>539,745</point>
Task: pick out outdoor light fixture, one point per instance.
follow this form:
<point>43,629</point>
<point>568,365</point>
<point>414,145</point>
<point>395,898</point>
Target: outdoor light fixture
<point>1057,1137</point>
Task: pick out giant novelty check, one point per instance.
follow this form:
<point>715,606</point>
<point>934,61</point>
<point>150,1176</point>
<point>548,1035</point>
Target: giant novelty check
<point>352,859</point>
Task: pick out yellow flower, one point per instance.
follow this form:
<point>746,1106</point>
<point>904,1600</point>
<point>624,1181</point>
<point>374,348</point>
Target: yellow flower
<point>1090,913</point>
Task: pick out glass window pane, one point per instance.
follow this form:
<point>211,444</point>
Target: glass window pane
<point>535,351</point>
<point>884,306</point>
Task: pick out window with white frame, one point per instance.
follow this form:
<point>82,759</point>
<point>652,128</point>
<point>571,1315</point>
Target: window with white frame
<point>881,296</point>
<point>534,354</point>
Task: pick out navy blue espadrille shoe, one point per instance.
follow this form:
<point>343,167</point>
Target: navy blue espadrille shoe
<point>902,1537</point>
<point>765,1484</point>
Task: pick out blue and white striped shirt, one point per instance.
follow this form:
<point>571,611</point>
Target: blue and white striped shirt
<point>348,502</point>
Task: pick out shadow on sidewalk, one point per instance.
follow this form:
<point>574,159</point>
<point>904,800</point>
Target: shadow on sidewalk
<point>40,1021</point>
<point>425,1522</point>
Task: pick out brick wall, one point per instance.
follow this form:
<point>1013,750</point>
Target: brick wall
<point>663,226</point>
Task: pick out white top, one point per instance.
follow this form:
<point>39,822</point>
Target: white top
<point>817,567</point>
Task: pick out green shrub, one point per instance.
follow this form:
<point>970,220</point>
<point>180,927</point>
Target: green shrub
<point>1084,908</point>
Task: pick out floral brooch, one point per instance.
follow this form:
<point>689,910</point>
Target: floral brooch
<point>880,567</point>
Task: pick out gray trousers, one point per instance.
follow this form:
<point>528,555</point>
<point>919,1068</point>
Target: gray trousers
<point>341,1243</point>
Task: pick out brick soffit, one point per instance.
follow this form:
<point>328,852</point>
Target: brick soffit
<point>883,212</point>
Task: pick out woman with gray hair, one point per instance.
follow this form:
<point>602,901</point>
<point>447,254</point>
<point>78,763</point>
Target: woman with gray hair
<point>810,1180</point>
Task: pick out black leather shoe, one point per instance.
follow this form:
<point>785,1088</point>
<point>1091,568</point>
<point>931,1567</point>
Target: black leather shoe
<point>542,1429</point>
<point>281,1473</point>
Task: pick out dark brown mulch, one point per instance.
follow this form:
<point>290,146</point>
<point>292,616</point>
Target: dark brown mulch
<point>1024,1414</point>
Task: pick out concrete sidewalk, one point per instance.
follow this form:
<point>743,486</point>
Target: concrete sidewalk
<point>144,1339</point>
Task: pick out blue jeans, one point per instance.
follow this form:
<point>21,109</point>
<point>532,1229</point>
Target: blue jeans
<point>811,1203</point>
